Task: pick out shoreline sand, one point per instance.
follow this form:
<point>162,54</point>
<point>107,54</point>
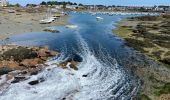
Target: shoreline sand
<point>23,22</point>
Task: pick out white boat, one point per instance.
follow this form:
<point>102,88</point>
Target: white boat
<point>48,18</point>
<point>46,21</point>
<point>99,18</point>
<point>71,26</point>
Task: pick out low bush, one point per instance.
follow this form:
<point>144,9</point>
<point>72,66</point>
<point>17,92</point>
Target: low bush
<point>18,54</point>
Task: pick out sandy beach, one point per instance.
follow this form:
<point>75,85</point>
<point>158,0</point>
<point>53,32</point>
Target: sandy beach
<point>23,22</point>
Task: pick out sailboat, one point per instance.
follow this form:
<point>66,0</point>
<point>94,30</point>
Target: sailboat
<point>48,19</point>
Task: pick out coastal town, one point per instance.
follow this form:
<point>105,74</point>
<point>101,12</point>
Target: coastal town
<point>63,50</point>
<point>76,6</point>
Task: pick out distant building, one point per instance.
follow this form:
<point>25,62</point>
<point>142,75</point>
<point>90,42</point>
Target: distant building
<point>165,8</point>
<point>59,6</point>
<point>3,3</point>
<point>71,6</point>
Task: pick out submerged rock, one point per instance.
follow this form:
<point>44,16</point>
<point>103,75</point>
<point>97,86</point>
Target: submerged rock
<point>71,63</point>
<point>33,82</point>
<point>51,30</point>
<point>36,81</point>
<point>18,79</point>
<point>77,58</point>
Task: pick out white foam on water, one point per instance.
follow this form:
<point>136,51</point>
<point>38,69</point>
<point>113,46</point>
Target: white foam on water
<point>103,80</point>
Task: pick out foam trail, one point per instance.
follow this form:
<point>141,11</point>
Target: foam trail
<point>105,80</point>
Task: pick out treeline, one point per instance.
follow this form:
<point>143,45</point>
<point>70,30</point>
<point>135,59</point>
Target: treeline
<point>14,5</point>
<point>58,3</point>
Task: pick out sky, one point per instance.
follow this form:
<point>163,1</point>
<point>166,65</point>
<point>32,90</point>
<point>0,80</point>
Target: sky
<point>103,2</point>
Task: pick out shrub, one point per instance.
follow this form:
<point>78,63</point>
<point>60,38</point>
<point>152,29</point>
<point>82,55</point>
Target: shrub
<point>20,53</point>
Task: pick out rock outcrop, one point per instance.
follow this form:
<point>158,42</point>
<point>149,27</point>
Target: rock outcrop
<point>14,57</point>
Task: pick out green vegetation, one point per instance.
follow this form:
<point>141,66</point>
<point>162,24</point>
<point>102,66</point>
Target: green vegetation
<point>123,31</point>
<point>18,54</point>
<point>14,5</point>
<point>146,18</point>
<point>149,35</point>
<point>138,44</point>
<point>164,89</point>
<point>144,97</point>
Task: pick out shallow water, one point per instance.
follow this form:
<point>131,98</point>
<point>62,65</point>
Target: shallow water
<point>102,54</point>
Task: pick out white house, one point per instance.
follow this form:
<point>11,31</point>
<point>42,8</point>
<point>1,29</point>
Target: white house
<point>3,3</point>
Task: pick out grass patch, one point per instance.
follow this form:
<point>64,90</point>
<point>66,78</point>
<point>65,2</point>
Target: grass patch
<point>122,31</point>
<point>157,54</point>
<point>146,18</point>
<point>168,53</point>
<point>165,89</point>
<point>143,97</point>
<point>165,44</point>
<point>139,43</point>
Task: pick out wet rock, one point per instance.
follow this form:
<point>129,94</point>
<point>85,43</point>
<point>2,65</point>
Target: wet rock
<point>33,82</point>
<point>24,72</point>
<point>77,58</point>
<point>63,64</point>
<point>43,58</point>
<point>73,65</point>
<point>18,79</point>
<point>5,70</point>
<point>34,72</point>
<point>36,81</point>
<point>41,80</point>
<point>84,75</point>
<point>51,30</point>
<point>9,77</point>
<point>15,81</point>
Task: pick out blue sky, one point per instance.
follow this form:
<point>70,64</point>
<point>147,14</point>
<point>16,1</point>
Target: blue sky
<point>104,2</point>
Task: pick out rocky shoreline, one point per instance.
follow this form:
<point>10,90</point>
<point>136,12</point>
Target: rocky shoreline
<point>17,63</point>
<point>13,57</point>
